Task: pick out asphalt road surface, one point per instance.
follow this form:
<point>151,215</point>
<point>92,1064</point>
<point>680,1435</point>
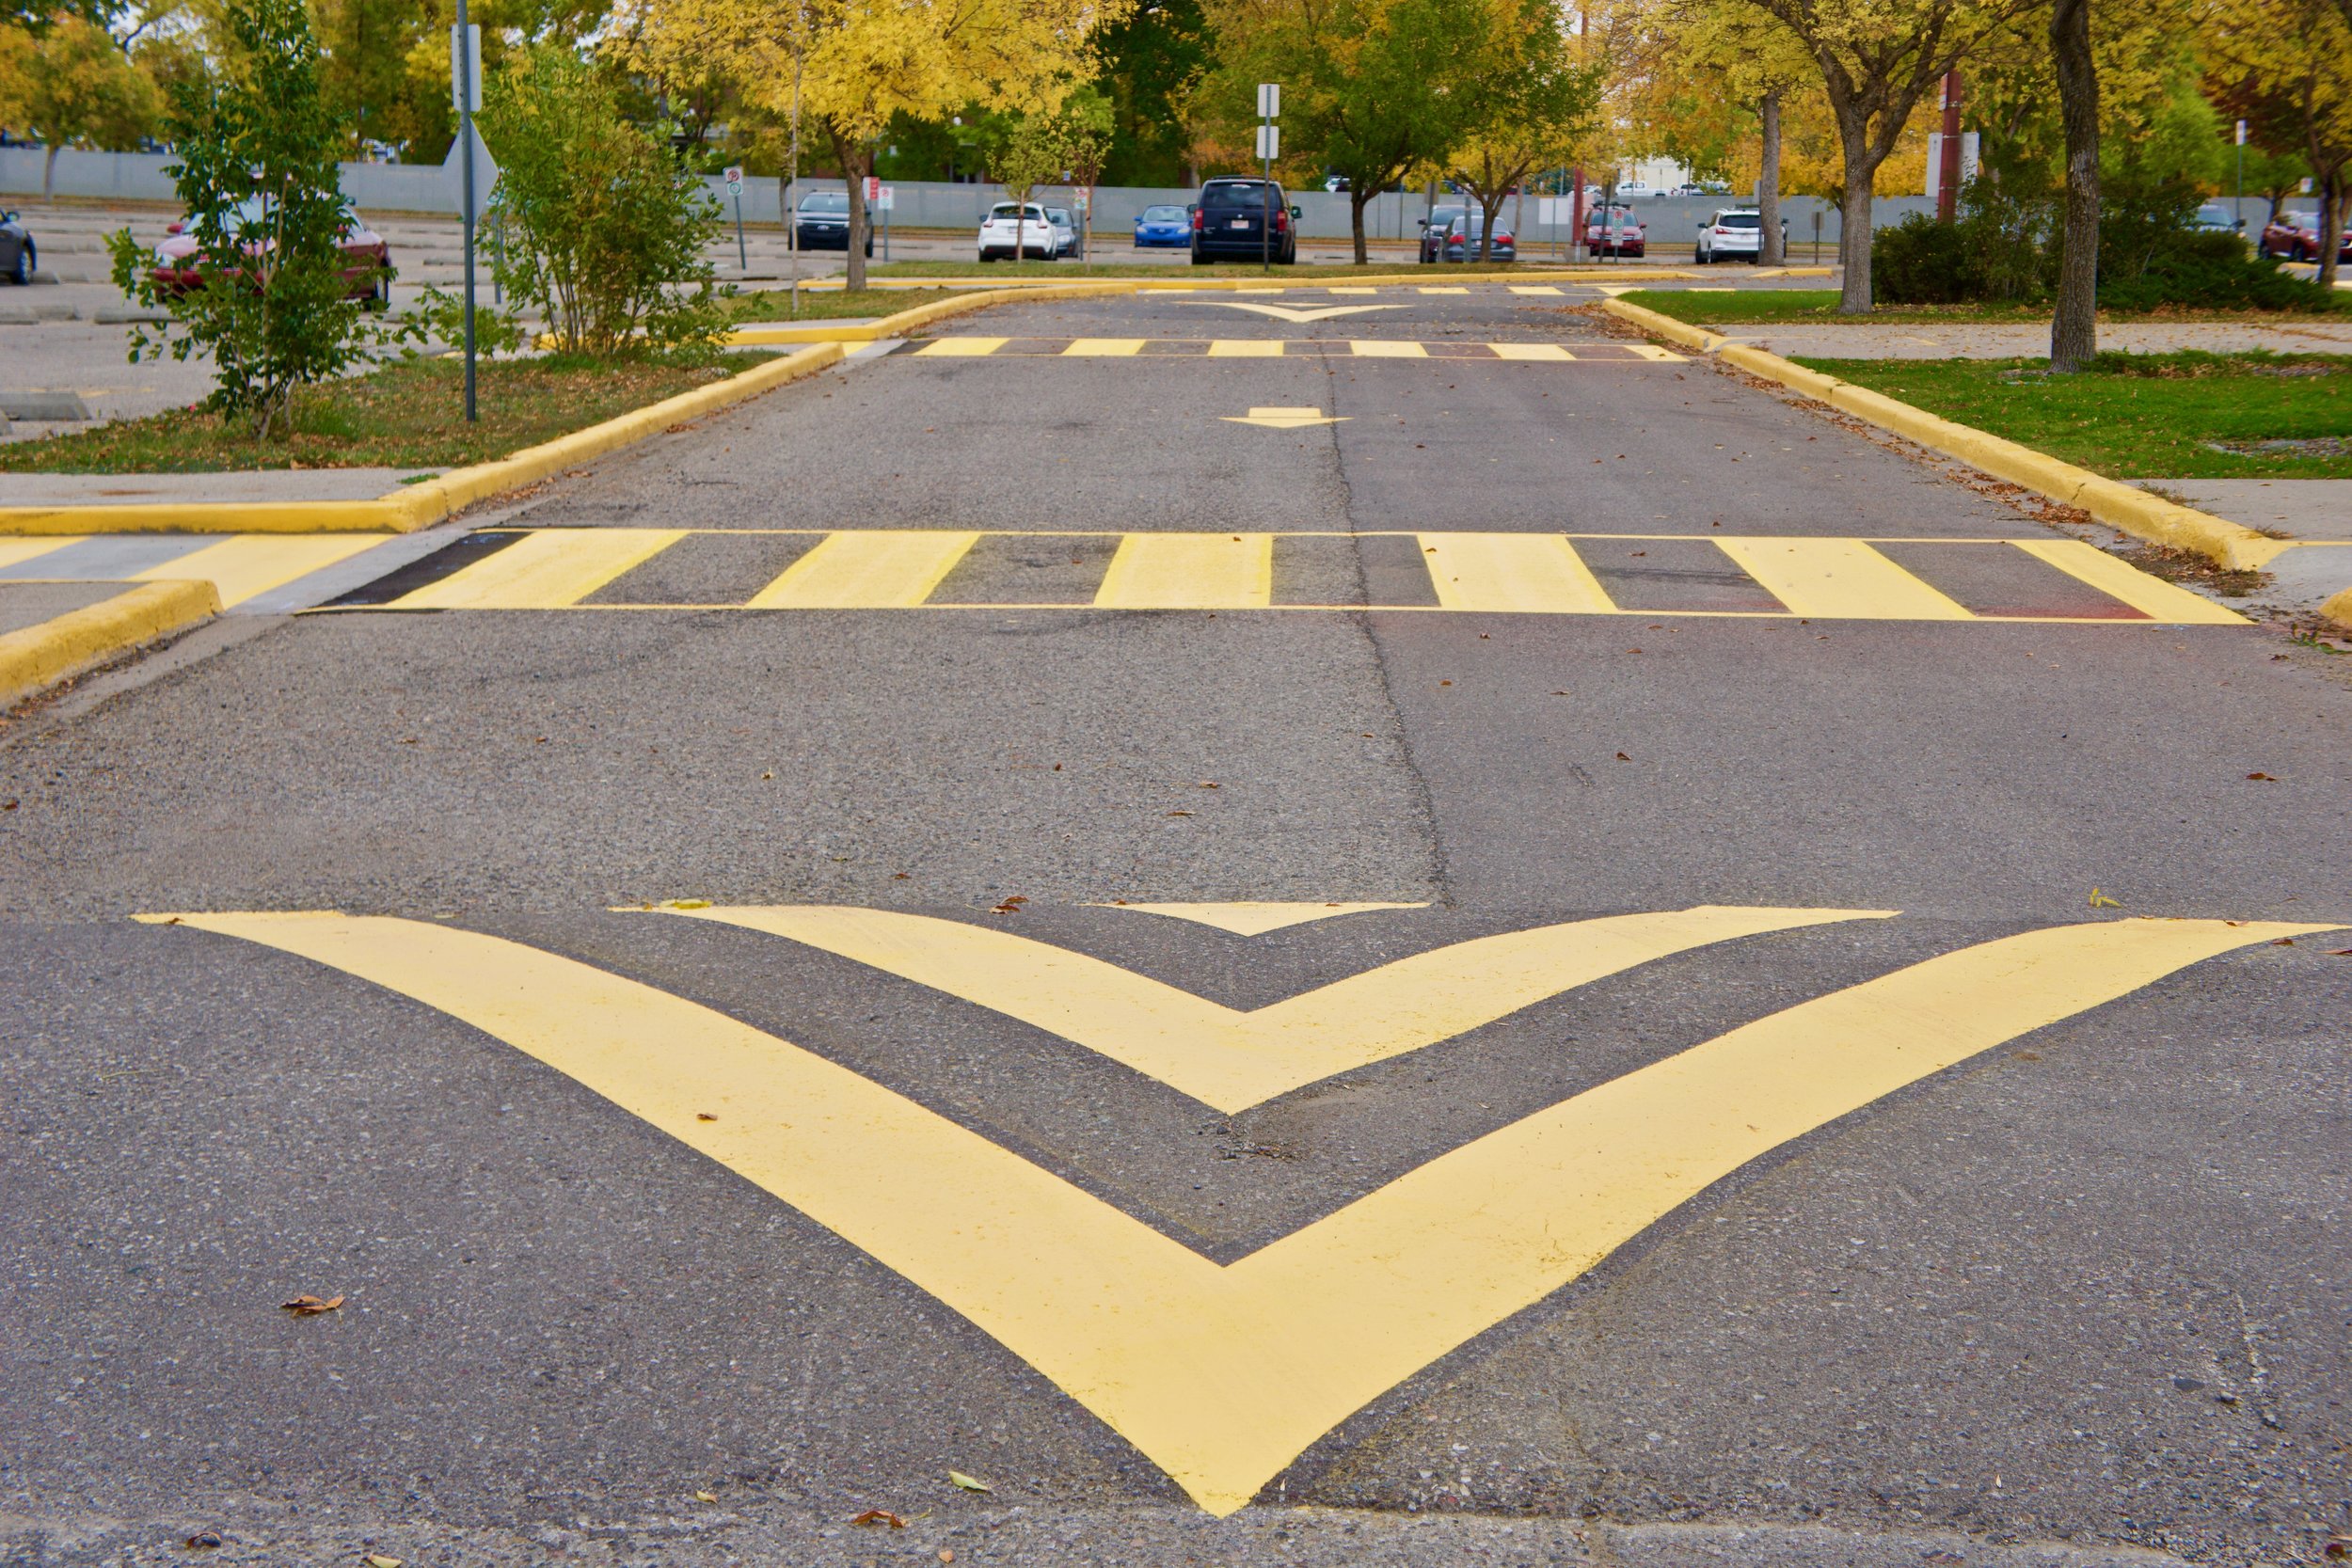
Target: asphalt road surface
<point>1270,931</point>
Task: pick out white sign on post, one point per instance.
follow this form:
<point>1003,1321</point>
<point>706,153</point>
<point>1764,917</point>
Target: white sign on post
<point>1269,142</point>
<point>1269,100</point>
<point>873,190</point>
<point>465,66</point>
<point>485,175</point>
<point>885,198</point>
<point>735,179</point>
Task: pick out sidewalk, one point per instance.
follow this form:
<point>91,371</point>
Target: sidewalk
<point>2315,513</point>
<point>2025,341</point>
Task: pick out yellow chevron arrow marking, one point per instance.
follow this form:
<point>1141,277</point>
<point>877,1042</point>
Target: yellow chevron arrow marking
<point>1222,1375</point>
<point>1232,1059</point>
<point>1292,313</point>
<point>1285,418</point>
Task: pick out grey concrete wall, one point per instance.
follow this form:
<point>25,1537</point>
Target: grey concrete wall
<point>926,204</point>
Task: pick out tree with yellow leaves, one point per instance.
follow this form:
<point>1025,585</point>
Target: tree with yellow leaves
<point>1699,53</point>
<point>2281,64</point>
<point>845,67</point>
<point>71,83</point>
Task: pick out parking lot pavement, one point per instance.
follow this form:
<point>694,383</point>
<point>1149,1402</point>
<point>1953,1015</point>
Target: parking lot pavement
<point>1107,983</point>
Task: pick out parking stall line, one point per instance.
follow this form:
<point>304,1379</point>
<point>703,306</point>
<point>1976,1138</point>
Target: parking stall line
<point>1839,578</point>
<point>1538,572</point>
<point>1190,571</point>
<point>893,569</point>
<point>548,569</point>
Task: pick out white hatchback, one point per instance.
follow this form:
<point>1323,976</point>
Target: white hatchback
<point>1734,234</point>
<point>1011,228</point>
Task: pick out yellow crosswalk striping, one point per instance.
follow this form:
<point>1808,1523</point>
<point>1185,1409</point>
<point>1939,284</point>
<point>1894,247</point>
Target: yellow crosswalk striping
<point>1534,288</point>
<point>1246,348</point>
<point>1190,571</point>
<point>1385,348</point>
<point>1606,352</point>
<point>1537,352</point>
<point>1447,290</point>
<point>248,564</point>
<point>548,569</point>
<point>1538,572</point>
<point>867,571</point>
<point>956,346</point>
<point>1105,346</point>
<point>1833,577</point>
<point>15,551</point>
<point>1493,573</point>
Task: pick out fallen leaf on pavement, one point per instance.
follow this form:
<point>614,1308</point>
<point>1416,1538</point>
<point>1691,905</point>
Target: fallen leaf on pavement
<point>704,1116</point>
<point>2340,952</point>
<point>706,1496</point>
<point>880,1516</point>
<point>2264,777</point>
<point>946,1554</point>
<point>2283,941</point>
<point>686,904</point>
<point>2101,901</point>
<point>311,1306</point>
<point>1621,757</point>
<point>1010,906</point>
<point>376,1560</point>
<point>1180,814</point>
<point>203,1539</point>
<point>970,1484</point>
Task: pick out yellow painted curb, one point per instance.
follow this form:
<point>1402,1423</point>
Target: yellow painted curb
<point>2339,611</point>
<point>416,506</point>
<point>2124,507</point>
<point>41,656</point>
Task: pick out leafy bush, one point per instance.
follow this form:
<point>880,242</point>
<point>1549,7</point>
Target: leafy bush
<point>258,145</point>
<point>604,227</point>
<point>2210,272</point>
<point>1921,262</point>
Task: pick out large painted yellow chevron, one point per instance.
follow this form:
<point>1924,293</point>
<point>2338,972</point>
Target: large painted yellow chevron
<point>1223,1375</point>
<point>1233,1059</point>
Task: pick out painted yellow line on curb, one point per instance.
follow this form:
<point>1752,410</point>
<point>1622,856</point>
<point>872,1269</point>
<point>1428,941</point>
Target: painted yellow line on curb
<point>550,568</point>
<point>16,551</point>
<point>882,570</point>
<point>1835,578</point>
<point>38,655</point>
<point>1233,1058</point>
<point>1512,572</point>
<point>248,564</point>
<point>2119,579</point>
<point>1223,1375</point>
<point>1190,571</point>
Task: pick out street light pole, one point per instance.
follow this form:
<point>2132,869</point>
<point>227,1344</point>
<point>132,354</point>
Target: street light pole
<point>1269,147</point>
<point>469,92</point>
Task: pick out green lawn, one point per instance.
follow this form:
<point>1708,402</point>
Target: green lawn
<point>2139,416</point>
<point>1766,307</point>
<point>775,305</point>
<point>410,414</point>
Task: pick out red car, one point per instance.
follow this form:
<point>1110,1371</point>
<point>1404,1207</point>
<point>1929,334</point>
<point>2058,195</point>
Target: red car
<point>367,259</point>
<point>2295,237</point>
<point>1615,232</point>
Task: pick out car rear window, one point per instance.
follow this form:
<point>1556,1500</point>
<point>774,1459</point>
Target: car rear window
<point>1740,220</point>
<point>1011,210</point>
<point>1251,193</point>
<point>1163,214</point>
<point>827,202</point>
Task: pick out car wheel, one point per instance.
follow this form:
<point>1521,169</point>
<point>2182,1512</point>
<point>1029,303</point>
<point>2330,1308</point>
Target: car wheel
<point>22,274</point>
<point>380,297</point>
<point>1198,259</point>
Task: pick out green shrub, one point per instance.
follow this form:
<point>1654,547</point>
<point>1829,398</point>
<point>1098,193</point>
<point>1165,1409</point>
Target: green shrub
<point>258,145</point>
<point>604,227</point>
<point>1921,262</point>
<point>2213,272</point>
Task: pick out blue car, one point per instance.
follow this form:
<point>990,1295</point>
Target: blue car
<point>1164,226</point>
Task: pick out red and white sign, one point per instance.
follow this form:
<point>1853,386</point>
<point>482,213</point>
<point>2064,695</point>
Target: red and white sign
<point>873,188</point>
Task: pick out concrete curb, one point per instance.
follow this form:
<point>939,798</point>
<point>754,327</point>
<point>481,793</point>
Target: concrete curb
<point>419,505</point>
<point>2119,506</point>
<point>43,655</point>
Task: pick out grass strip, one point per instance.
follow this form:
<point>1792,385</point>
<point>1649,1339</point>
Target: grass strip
<point>1774,306</point>
<point>2140,416</point>
<point>410,414</point>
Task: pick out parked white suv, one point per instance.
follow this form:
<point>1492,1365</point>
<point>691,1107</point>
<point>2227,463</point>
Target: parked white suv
<point>1011,228</point>
<point>1735,235</point>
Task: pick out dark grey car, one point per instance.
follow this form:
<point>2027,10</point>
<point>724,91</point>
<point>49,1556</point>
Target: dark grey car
<point>17,254</point>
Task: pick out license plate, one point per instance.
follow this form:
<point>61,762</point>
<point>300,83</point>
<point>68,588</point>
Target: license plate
<point>1241,223</point>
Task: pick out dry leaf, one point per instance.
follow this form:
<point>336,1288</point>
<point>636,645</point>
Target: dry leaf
<point>706,1496</point>
<point>1010,906</point>
<point>203,1539</point>
<point>946,1554</point>
<point>704,1115</point>
<point>687,904</point>
<point>311,1306</point>
<point>1180,814</point>
<point>880,1516</point>
<point>2264,777</point>
<point>1622,757</point>
<point>377,1559</point>
<point>2101,901</point>
<point>970,1484</point>
<point>2283,941</point>
<point>2340,952</point>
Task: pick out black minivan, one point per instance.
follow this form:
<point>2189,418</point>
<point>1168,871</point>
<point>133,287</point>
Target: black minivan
<point>1228,223</point>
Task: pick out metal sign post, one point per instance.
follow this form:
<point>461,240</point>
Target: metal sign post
<point>887,197</point>
<point>1269,148</point>
<point>465,65</point>
<point>735,189</point>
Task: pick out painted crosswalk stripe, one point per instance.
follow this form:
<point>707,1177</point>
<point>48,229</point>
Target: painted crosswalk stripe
<point>1107,347</point>
<point>1537,572</point>
<point>1534,288</point>
<point>548,569</point>
<point>895,569</point>
<point>2119,579</point>
<point>1344,291</point>
<point>1839,578</point>
<point>1385,348</point>
<point>1246,348</point>
<point>1190,571</point>
<point>16,551</point>
<point>1651,351</point>
<point>247,564</point>
<point>959,347</point>
<point>1445,290</point>
<point>1551,352</point>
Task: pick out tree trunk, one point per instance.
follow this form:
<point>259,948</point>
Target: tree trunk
<point>1853,219</point>
<point>1357,197</point>
<point>2331,193</point>
<point>2075,328</point>
<point>1768,184</point>
<point>49,169</point>
<point>855,156</point>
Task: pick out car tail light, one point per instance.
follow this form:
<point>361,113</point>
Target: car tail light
<point>1196,223</point>
<point>1281,223</point>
